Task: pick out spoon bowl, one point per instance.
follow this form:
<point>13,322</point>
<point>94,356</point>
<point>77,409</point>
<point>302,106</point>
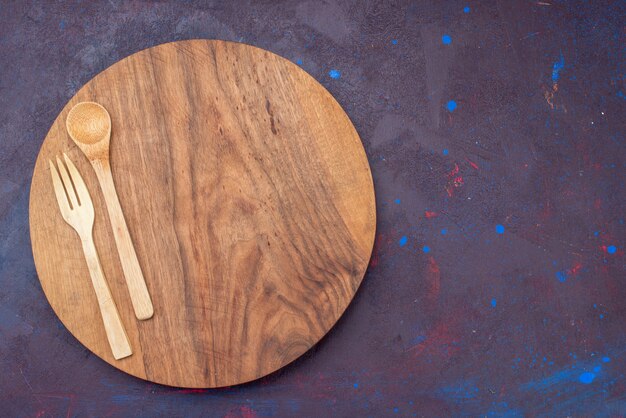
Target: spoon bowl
<point>89,126</point>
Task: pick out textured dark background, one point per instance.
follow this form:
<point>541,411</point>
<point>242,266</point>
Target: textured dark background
<point>496,287</point>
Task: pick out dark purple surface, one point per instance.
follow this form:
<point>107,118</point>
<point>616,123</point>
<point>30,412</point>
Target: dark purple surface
<point>474,322</point>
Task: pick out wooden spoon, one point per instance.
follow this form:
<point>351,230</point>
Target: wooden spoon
<point>89,125</point>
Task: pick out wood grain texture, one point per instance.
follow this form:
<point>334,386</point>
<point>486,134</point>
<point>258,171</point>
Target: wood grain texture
<point>248,196</point>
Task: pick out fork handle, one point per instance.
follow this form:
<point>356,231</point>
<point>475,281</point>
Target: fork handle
<point>139,296</point>
<point>118,340</point>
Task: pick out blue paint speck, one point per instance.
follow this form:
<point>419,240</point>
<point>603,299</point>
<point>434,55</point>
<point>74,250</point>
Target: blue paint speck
<point>561,276</point>
<point>597,369</point>
<point>418,340</point>
<point>397,201</point>
<point>596,233</point>
<point>403,241</point>
<point>396,410</point>
<point>587,378</point>
<point>611,249</point>
<point>451,105</point>
<point>445,151</point>
<point>394,42</point>
<point>466,9</point>
<point>334,74</point>
<point>444,231</point>
<point>426,248</point>
<point>557,67</point>
<point>299,62</point>
<point>493,302</point>
<point>606,359</point>
<point>446,39</point>
<point>62,24</point>
<point>500,229</point>
<point>356,385</point>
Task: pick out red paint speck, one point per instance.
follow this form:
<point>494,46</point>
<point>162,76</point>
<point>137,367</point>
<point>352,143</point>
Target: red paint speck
<point>242,412</point>
<point>454,180</point>
<point>597,204</point>
<point>574,270</point>
<point>70,397</point>
<point>441,340</point>
<point>430,214</point>
<point>433,277</point>
<point>473,164</point>
<point>374,260</point>
<point>546,211</point>
<point>454,171</point>
<point>192,391</point>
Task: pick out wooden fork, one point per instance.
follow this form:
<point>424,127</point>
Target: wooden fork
<point>77,210</point>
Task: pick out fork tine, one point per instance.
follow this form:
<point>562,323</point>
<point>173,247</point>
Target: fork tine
<point>79,183</point>
<point>64,205</point>
<point>67,182</point>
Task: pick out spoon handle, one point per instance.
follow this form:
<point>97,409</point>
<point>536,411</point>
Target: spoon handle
<point>130,265</point>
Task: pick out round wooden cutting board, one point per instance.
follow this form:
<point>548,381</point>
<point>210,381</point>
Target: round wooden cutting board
<point>250,202</point>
